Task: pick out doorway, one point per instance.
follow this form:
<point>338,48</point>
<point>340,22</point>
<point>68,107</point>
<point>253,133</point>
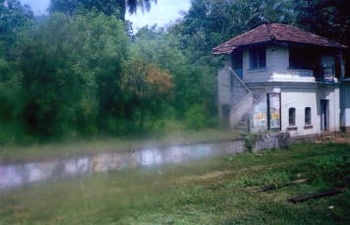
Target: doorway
<point>324,114</point>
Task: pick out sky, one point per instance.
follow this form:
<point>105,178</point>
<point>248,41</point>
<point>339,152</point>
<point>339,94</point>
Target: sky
<point>161,13</point>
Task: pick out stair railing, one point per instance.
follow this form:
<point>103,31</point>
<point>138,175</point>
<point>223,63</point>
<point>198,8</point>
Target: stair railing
<point>241,108</point>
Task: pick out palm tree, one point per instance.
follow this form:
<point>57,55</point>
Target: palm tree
<point>132,5</point>
<point>109,7</point>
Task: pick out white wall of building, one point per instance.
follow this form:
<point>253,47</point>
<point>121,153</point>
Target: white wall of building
<point>300,99</point>
<point>224,86</point>
<point>334,108</point>
<point>281,70</point>
<point>298,89</point>
<point>277,67</point>
<point>300,96</point>
<point>259,75</point>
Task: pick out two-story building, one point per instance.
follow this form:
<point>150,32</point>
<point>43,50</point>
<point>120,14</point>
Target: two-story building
<point>280,77</point>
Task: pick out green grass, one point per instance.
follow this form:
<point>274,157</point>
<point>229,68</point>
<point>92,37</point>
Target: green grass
<point>210,191</point>
<point>65,149</point>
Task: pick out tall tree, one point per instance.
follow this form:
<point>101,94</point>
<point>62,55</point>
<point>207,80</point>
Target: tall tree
<point>13,17</point>
<point>71,67</point>
<point>329,18</point>
<point>192,83</point>
<point>210,22</point>
<point>109,7</point>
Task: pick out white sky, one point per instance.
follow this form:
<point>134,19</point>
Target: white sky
<point>38,6</point>
<point>161,13</point>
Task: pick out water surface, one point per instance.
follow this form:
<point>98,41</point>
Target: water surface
<point>19,174</point>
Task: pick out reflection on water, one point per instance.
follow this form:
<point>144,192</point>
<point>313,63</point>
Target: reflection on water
<point>14,175</point>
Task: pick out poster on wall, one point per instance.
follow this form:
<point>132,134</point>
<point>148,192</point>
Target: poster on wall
<point>274,100</point>
<point>260,116</point>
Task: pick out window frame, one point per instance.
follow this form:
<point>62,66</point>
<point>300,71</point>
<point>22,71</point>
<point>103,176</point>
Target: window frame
<point>257,58</point>
<point>292,119</point>
<point>237,62</point>
<point>301,58</point>
<point>307,117</point>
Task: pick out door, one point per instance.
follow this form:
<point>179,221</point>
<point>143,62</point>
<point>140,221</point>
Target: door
<point>324,114</point>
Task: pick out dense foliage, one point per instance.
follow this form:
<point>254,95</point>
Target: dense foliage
<point>193,84</point>
<point>328,18</point>
<point>211,22</point>
<point>71,69</point>
<point>75,75</point>
<point>79,72</point>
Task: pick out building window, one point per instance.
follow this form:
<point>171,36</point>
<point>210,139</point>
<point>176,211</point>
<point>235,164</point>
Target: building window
<point>237,63</point>
<point>307,116</point>
<point>291,117</point>
<point>302,58</point>
<point>257,58</point>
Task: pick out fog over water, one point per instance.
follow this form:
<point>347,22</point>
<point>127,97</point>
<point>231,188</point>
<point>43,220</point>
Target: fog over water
<point>19,174</point>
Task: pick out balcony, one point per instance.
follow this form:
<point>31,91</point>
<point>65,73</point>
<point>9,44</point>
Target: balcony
<point>325,74</point>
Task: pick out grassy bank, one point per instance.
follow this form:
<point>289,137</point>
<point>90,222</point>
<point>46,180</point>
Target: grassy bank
<point>76,147</point>
<point>211,191</point>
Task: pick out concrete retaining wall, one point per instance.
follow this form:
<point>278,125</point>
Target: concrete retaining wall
<point>258,142</point>
<point>237,146</point>
<point>279,140</point>
<point>271,141</point>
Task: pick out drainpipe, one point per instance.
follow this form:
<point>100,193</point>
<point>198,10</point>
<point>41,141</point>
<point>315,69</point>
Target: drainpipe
<point>343,97</point>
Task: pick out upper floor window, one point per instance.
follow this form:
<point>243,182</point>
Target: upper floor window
<point>257,58</point>
<point>307,116</point>
<point>237,63</point>
<point>302,58</point>
<point>291,115</point>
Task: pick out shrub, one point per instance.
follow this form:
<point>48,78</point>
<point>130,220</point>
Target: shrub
<point>195,118</point>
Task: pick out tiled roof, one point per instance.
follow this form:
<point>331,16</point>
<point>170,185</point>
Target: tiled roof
<point>275,32</point>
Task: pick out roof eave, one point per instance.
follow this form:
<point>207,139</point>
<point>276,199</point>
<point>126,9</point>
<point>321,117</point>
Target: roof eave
<point>222,53</point>
<point>233,48</point>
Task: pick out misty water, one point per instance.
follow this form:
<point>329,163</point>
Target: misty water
<point>20,174</point>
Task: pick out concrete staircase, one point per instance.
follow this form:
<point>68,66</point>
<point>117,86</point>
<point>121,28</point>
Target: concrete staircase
<point>241,99</point>
<point>243,126</point>
<point>242,103</point>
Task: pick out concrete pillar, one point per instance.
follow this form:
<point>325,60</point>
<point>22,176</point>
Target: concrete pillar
<point>345,106</point>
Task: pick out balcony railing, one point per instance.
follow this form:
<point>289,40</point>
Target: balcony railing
<point>325,74</point>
